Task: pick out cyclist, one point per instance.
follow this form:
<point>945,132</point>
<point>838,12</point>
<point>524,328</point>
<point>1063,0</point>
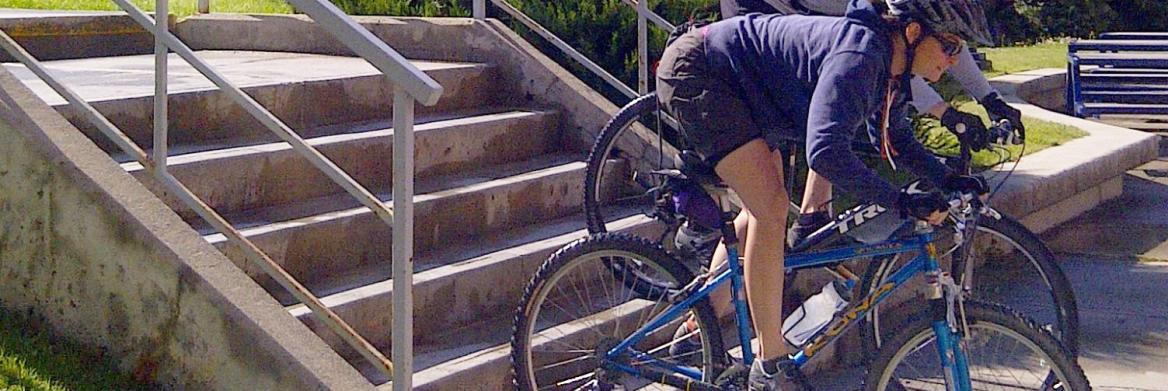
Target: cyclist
<point>739,85</point>
<point>814,209</point>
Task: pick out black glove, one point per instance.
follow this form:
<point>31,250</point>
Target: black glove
<point>970,184</point>
<point>998,110</point>
<point>968,128</point>
<point>920,205</point>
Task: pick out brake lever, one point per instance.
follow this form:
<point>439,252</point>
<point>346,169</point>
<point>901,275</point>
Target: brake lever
<point>1003,132</point>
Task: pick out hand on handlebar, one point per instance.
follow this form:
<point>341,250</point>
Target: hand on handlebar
<point>998,110</point>
<point>970,184</point>
<point>968,128</point>
<point>923,206</point>
<point>1003,132</point>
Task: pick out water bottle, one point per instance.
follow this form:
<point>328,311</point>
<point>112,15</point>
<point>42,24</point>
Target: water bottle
<point>817,312</point>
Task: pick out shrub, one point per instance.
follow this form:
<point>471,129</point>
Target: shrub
<point>1074,18</point>
<point>605,31</point>
<point>426,8</point>
<point>1141,15</point>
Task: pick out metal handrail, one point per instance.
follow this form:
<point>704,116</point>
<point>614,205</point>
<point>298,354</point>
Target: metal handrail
<point>410,86</point>
<point>372,49</point>
<point>644,15</point>
<point>299,145</point>
<point>565,47</point>
<point>649,14</point>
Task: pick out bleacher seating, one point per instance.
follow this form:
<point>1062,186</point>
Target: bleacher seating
<point>1119,73</point>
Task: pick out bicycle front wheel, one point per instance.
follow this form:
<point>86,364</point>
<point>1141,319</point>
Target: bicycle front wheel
<point>581,304</point>
<point>1004,352</point>
<point>1011,265</point>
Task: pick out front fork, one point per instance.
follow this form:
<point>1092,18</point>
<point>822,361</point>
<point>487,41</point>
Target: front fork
<point>963,235</point>
<point>949,325</point>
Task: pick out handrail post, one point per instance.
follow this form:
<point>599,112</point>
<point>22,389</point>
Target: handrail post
<point>642,47</point>
<point>204,6</point>
<point>403,240</point>
<point>161,73</point>
<point>480,9</point>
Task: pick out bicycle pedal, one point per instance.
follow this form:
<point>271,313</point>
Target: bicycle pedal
<point>793,373</point>
<point>733,377</point>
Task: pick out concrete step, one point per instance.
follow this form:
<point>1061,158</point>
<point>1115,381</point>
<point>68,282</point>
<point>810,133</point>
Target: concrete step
<point>467,303</point>
<point>489,368</point>
<point>317,238</point>
<point>305,91</point>
<point>252,177</point>
<point>1133,224</point>
<point>56,35</point>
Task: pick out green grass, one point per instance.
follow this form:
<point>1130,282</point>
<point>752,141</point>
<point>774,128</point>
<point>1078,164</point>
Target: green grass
<point>1016,59</point>
<point>35,361</point>
<point>1039,135</point>
<point>179,8</point>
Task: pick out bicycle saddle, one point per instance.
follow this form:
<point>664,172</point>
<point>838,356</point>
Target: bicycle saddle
<point>696,169</point>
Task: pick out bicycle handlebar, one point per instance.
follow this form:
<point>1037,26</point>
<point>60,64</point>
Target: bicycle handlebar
<point>1001,133</point>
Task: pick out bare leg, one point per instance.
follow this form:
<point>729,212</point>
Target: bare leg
<point>816,194</point>
<point>720,298</point>
<point>750,170</point>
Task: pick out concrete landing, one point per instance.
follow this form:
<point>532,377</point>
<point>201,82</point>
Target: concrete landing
<point>1123,306</point>
<point>97,79</point>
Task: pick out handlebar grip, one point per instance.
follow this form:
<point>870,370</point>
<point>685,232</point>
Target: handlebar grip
<point>1003,133</point>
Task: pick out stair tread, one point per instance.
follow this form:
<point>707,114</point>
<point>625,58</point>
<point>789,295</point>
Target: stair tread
<point>480,338</point>
<point>120,77</point>
<point>188,154</point>
<point>256,221</point>
<point>437,264</point>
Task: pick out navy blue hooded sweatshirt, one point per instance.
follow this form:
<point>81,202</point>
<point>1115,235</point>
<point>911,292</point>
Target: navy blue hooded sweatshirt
<point>821,78</point>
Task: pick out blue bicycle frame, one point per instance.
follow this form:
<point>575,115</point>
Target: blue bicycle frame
<point>952,357</point>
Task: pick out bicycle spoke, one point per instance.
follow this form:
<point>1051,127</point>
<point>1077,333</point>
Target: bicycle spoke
<point>566,362</point>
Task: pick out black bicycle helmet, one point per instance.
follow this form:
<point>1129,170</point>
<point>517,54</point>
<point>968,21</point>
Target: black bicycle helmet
<point>965,18</point>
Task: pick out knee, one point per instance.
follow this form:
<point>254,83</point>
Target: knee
<point>774,215</point>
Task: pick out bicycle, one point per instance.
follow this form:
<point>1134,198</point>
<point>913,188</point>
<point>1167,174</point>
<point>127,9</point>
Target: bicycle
<point>584,323</point>
<point>640,140</point>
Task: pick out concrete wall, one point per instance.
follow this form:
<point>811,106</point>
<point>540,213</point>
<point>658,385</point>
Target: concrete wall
<point>1045,88</point>
<point>76,35</point>
<point>1059,183</point>
<point>89,253</point>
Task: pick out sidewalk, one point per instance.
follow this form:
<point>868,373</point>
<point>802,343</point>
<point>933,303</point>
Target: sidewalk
<point>1123,307</point>
<point>1116,256</point>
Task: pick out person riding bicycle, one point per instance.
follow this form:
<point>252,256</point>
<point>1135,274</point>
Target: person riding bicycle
<point>739,85</point>
<point>815,209</point>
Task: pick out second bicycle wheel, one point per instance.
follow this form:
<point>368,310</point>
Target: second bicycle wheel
<point>634,142</point>
<point>1011,266</point>
<point>1004,352</point>
<point>580,304</point>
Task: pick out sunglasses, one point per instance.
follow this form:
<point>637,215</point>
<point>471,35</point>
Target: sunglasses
<point>950,44</point>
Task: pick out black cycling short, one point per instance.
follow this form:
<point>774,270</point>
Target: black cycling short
<point>714,119</point>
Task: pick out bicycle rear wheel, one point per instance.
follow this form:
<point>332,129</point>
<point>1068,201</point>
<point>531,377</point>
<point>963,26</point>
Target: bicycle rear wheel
<point>579,305</point>
<point>1004,352</point>
<point>1012,265</point>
